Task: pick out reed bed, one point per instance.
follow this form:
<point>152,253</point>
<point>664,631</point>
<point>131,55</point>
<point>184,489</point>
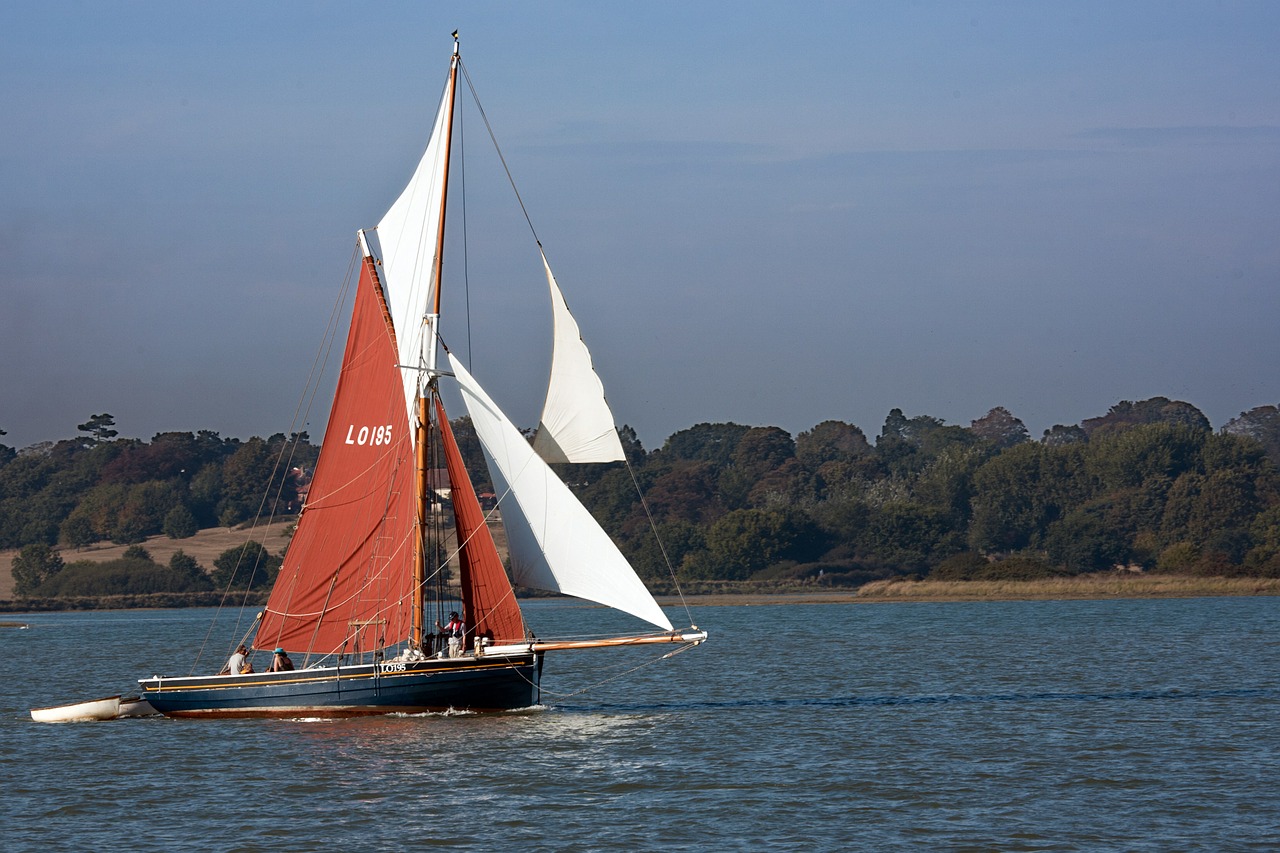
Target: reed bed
<point>1109,585</point>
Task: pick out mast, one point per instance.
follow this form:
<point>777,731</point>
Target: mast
<point>423,430</point>
<point>437,271</point>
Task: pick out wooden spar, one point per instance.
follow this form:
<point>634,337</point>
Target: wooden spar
<point>694,637</point>
<point>420,540</point>
<point>420,485</point>
<point>372,268</point>
<point>444,187</point>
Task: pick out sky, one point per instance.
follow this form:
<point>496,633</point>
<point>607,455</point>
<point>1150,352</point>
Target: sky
<point>773,214</point>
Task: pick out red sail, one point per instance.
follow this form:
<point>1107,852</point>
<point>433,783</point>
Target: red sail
<point>488,602</point>
<point>347,578</point>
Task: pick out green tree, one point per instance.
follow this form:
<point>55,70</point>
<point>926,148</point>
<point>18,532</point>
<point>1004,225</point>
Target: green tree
<point>204,494</point>
<point>143,512</point>
<point>1017,494</point>
<point>1245,454</point>
<point>907,445</point>
<point>1084,542</point>
<point>631,446</point>
<point>180,523</point>
<point>1232,543</point>
<point>137,552</point>
<point>788,485</point>
<point>1126,415</point>
<point>612,498</point>
<point>706,442</point>
<point>831,441</point>
<point>970,566</point>
<point>1126,458</point>
<point>39,489</point>
<point>1200,505</point>
<point>1001,428</point>
<point>762,449</point>
<point>169,456</point>
<point>742,543</point>
<point>1060,434</point>
<point>946,483</point>
<point>125,576</point>
<point>673,541</point>
<point>186,567</point>
<point>759,452</point>
<point>910,537</point>
<point>77,531</point>
<point>247,480</point>
<point>1262,424</point>
<point>844,520</point>
<point>98,510</point>
<point>99,427</point>
<point>688,491</point>
<point>34,565</point>
<point>249,566</point>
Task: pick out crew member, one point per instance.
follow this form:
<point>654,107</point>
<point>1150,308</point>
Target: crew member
<point>455,631</point>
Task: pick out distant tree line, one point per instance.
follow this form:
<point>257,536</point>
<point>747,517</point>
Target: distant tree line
<point>1149,485</point>
<point>1146,486</point>
<point>99,487</point>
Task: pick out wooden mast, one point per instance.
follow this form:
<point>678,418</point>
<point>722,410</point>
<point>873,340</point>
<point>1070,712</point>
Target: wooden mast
<point>444,187</point>
<point>418,617</point>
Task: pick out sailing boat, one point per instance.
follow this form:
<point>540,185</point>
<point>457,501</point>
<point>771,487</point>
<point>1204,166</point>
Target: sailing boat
<point>351,596</point>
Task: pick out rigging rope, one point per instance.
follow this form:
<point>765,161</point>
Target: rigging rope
<point>661,545</point>
<point>519,200</point>
<point>301,412</point>
<point>511,180</point>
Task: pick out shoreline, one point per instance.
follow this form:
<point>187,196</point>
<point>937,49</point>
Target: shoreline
<point>1115,585</point>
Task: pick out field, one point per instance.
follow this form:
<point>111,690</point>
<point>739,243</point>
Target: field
<point>205,546</point>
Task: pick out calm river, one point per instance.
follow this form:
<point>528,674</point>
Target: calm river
<point>1116,725</point>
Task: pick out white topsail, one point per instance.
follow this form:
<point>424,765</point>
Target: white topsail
<point>576,424</point>
<point>405,246</point>
<point>554,542</point>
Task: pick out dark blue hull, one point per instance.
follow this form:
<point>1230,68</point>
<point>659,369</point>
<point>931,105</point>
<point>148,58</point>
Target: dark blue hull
<point>488,683</point>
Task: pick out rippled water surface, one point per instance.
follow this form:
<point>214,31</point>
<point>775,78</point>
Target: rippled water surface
<point>1117,725</point>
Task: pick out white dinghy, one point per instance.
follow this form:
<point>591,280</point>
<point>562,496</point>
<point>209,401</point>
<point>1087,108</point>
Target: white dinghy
<point>107,708</point>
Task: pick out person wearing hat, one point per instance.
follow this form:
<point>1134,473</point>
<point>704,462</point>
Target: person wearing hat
<point>455,631</point>
<point>281,662</point>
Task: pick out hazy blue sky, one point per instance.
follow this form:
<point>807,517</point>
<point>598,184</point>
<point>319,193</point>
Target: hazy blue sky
<point>761,212</point>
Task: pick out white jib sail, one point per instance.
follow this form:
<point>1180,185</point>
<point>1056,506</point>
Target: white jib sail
<point>554,542</point>
<point>405,246</point>
<point>576,424</point>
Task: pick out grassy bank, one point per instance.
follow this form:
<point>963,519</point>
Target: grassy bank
<point>1108,585</point>
<point>1099,586</point>
<point>130,602</point>
<point>725,593</point>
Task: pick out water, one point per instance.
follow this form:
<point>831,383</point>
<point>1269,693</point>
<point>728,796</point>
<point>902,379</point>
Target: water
<point>1112,725</point>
